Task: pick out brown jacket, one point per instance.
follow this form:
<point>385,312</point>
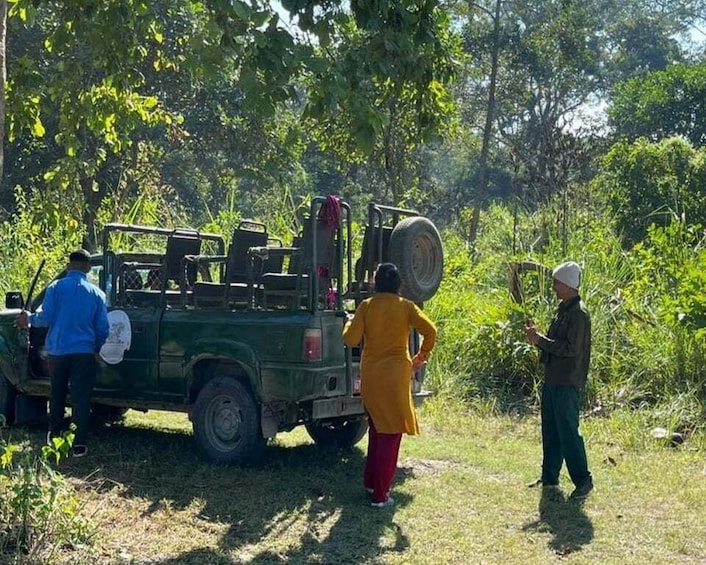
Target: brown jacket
<point>566,349</point>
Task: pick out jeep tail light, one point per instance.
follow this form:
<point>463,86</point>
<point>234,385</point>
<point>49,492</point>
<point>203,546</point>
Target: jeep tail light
<point>312,345</point>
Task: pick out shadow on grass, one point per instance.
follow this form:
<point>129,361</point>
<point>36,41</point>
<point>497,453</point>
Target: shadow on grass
<point>565,519</point>
<point>308,500</point>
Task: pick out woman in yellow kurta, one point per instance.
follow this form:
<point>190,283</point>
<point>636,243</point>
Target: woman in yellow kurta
<point>383,323</point>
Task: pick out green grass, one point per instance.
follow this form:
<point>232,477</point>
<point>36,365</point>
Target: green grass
<point>459,489</point>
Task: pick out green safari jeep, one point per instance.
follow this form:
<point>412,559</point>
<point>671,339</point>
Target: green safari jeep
<point>244,335</point>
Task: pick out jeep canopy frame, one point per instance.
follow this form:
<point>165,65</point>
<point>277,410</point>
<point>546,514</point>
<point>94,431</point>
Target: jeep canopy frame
<point>375,248</point>
<point>178,240</point>
<point>249,273</point>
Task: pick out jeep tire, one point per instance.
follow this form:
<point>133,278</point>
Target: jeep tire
<point>415,247</point>
<point>344,432</point>
<point>226,423</point>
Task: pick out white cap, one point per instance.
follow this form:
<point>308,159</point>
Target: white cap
<point>569,273</point>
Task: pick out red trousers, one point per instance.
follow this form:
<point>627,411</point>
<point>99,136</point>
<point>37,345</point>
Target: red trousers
<point>380,467</point>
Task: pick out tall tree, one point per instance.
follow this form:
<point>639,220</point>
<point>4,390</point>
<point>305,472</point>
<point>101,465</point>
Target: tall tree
<point>662,104</point>
<point>489,117</point>
<point>384,91</point>
<point>93,77</point>
<point>557,61</point>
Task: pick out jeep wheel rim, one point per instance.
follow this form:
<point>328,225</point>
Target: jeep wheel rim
<point>223,423</point>
<point>426,268</point>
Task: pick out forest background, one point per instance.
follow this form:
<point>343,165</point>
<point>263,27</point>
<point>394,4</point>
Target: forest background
<point>532,131</point>
<point>540,130</point>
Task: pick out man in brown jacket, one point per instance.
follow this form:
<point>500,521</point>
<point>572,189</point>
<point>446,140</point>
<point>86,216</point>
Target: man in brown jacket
<point>566,353</point>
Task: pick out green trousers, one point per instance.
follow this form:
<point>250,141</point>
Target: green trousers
<point>561,440</point>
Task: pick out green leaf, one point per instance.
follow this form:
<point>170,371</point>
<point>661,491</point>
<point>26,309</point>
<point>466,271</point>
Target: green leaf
<point>242,10</point>
<point>260,18</point>
<point>316,64</point>
<point>38,128</point>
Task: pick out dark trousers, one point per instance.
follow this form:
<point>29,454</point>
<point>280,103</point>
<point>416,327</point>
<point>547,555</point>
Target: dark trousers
<point>381,464</point>
<point>76,372</point>
<point>561,440</point>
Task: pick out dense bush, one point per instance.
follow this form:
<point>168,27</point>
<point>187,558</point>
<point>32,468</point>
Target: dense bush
<point>647,310</point>
<point>32,235</point>
<point>649,183</point>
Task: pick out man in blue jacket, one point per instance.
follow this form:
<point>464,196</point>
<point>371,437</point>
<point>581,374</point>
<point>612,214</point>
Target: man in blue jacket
<point>75,312</point>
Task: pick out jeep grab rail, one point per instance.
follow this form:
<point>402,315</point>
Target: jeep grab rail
<point>134,228</point>
<point>109,254</point>
<point>376,212</point>
<point>320,201</point>
<point>374,249</point>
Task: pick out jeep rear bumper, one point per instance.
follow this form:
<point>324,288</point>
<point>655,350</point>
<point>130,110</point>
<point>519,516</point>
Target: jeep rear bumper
<point>338,406</point>
<point>349,406</point>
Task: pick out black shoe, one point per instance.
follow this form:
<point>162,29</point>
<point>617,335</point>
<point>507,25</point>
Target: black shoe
<point>542,483</point>
<point>80,451</point>
<point>583,491</point>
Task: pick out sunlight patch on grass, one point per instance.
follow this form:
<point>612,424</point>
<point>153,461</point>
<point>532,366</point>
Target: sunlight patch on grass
<point>158,419</point>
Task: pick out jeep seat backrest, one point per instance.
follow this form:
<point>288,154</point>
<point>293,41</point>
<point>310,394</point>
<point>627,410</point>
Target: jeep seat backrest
<point>295,282</point>
<point>325,247</point>
<point>369,255</point>
<point>248,234</point>
<point>295,261</point>
<point>275,262</point>
<point>235,290</point>
<point>180,244</point>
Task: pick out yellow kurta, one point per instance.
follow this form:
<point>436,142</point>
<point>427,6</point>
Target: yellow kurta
<point>383,323</point>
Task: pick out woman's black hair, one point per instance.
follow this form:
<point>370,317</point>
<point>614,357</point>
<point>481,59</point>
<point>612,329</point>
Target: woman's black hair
<point>387,278</point>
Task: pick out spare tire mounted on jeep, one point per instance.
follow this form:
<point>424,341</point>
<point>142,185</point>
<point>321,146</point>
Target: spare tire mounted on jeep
<point>415,247</point>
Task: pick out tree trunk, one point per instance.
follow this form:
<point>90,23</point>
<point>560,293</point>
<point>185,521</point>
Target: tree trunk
<point>3,79</point>
<point>488,130</point>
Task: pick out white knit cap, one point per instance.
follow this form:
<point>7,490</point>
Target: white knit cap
<point>569,273</point>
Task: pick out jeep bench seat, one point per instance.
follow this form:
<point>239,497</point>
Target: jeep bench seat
<point>278,284</point>
<point>215,294</point>
<point>294,285</point>
<point>239,293</point>
<point>240,285</point>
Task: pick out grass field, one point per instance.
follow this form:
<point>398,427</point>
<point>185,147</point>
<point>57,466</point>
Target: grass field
<point>459,490</point>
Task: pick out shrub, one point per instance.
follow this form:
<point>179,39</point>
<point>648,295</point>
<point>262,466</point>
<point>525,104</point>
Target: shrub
<point>39,511</point>
<point>647,309</point>
<point>28,237</point>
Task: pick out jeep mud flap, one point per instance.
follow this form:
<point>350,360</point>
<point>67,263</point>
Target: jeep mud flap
<point>334,407</point>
